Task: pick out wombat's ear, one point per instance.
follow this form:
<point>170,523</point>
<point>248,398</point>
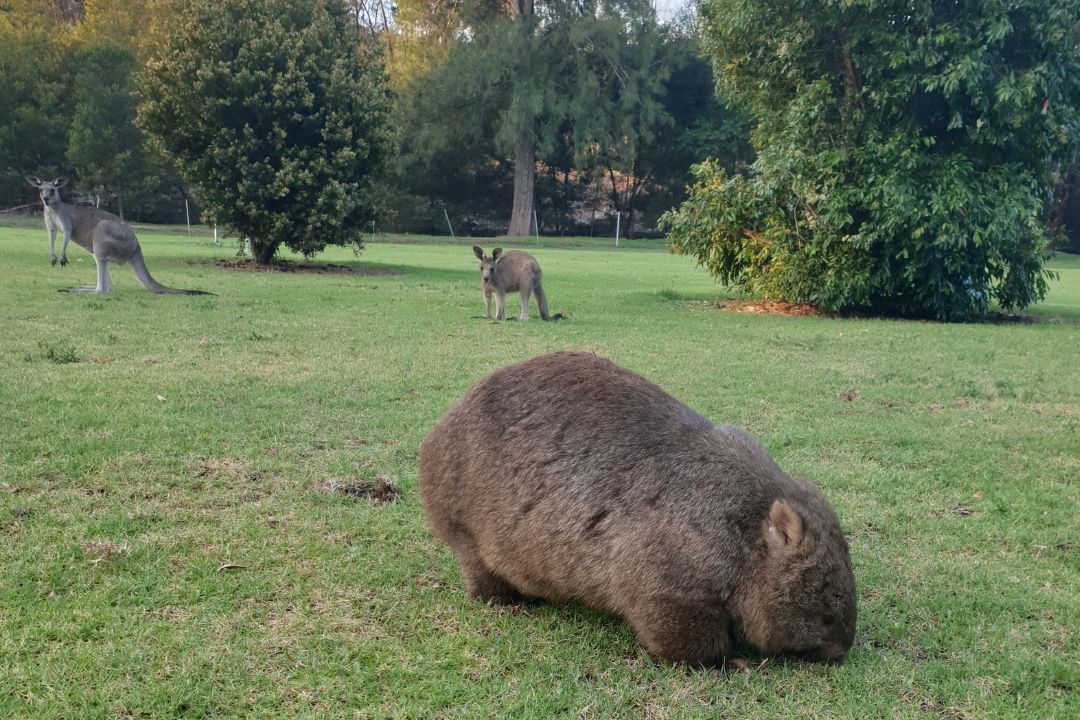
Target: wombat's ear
<point>496,253</point>
<point>478,252</point>
<point>33,180</point>
<point>785,527</point>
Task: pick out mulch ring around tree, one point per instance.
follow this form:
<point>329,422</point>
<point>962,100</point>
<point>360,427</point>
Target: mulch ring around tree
<point>289,266</point>
<point>777,307</point>
<point>764,307</point>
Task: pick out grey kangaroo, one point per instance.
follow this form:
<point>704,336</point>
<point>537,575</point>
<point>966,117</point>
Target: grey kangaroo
<point>104,235</point>
<point>511,271</point>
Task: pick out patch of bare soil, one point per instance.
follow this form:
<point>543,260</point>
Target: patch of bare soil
<point>849,395</point>
<point>1000,318</point>
<point>765,307</point>
<point>380,491</point>
<point>288,266</point>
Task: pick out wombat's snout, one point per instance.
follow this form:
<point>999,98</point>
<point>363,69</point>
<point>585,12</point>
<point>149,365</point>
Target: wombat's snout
<point>830,654</point>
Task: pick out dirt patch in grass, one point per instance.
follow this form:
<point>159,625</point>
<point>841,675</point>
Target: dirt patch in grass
<point>765,307</point>
<point>288,266</point>
<point>379,491</point>
<point>104,549</point>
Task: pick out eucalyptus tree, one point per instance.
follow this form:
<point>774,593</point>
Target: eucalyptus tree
<point>535,75</point>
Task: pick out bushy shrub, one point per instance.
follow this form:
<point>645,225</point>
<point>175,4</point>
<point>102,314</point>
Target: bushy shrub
<point>903,152</point>
<point>276,116</point>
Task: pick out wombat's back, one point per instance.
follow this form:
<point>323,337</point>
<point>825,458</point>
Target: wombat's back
<point>567,477</point>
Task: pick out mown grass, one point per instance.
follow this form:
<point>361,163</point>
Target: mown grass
<point>192,433</point>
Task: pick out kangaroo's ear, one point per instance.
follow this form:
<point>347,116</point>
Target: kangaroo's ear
<point>33,180</point>
<point>785,530</point>
<point>496,254</point>
<point>478,252</point>
<point>60,182</point>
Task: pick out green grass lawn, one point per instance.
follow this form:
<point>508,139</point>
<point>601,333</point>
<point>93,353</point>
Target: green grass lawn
<point>192,433</point>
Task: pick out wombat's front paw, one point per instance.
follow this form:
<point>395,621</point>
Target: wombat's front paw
<point>734,665</point>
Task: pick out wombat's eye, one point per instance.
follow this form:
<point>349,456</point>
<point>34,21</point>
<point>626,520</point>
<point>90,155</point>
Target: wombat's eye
<point>829,619</point>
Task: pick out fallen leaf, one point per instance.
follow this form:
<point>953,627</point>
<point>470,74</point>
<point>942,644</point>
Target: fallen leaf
<point>230,566</point>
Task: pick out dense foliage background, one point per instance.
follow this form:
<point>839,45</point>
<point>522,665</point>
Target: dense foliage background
<point>906,152</point>
<point>896,157</point>
<point>618,104</point>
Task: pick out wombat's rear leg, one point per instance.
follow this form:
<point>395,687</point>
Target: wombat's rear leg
<point>690,634</point>
<point>480,582</point>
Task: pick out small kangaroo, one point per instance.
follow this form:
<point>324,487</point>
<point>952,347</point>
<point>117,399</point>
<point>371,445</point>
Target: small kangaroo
<point>566,477</point>
<point>511,271</point>
<point>104,235</point>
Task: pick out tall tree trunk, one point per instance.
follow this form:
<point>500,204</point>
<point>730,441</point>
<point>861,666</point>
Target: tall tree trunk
<point>263,251</point>
<point>524,184</point>
<point>524,151</point>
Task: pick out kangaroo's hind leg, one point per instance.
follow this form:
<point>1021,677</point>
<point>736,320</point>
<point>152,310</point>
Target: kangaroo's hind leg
<point>526,289</point>
<point>104,279</point>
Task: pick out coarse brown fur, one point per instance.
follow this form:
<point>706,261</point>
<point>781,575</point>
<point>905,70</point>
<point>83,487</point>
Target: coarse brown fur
<point>566,477</point>
<point>511,271</point>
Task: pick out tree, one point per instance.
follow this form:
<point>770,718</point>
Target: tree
<point>140,25</point>
<point>538,75</point>
<point>903,152</point>
<point>702,126</point>
<point>34,116</point>
<point>276,117</point>
<point>422,37</point>
<point>104,146</point>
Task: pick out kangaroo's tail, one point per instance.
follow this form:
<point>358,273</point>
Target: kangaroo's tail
<point>541,302</point>
<point>138,264</point>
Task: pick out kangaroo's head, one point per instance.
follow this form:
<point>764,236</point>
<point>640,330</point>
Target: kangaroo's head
<point>488,265</point>
<point>50,191</point>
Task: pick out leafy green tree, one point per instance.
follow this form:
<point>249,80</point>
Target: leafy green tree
<point>904,151</point>
<point>277,118</point>
<point>104,146</point>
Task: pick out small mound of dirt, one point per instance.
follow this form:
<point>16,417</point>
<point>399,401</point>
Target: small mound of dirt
<point>766,307</point>
<point>849,395</point>
<point>380,491</point>
<point>288,266</point>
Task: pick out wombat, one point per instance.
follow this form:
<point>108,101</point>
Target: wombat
<point>566,477</point>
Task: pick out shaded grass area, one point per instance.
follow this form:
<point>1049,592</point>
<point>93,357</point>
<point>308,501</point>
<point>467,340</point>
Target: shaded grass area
<point>172,546</point>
